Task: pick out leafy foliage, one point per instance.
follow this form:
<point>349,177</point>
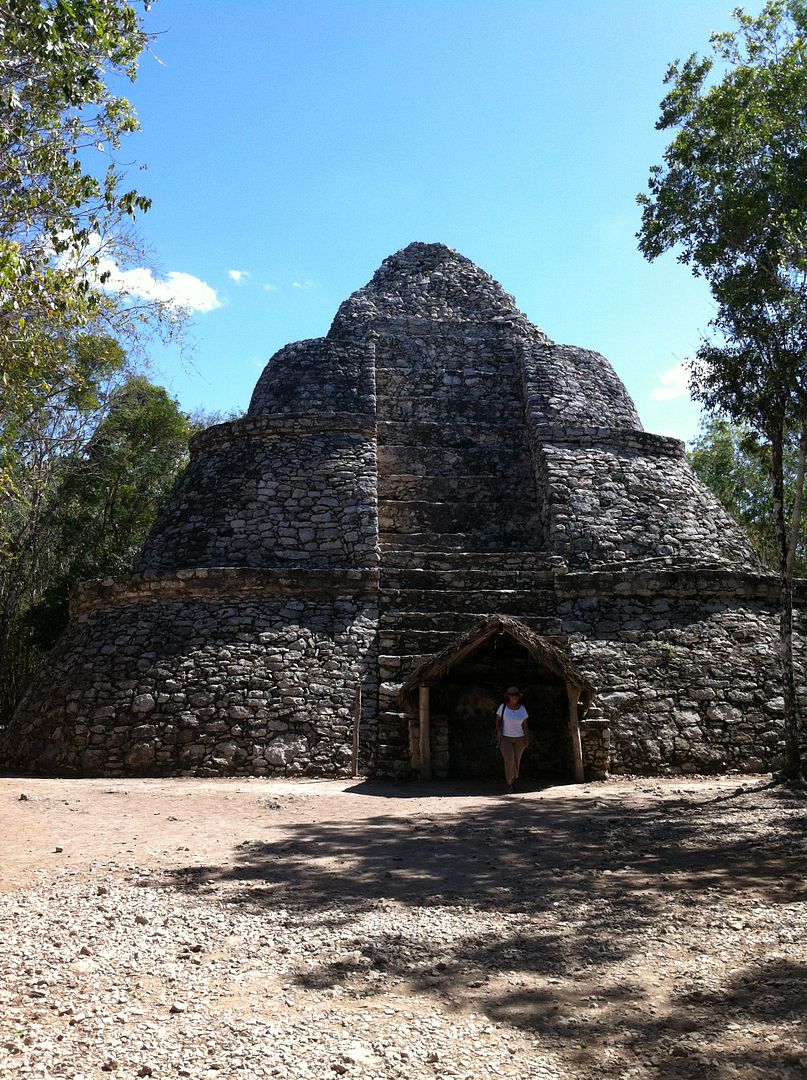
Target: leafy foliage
<point>92,510</point>
<point>109,495</point>
<point>731,197</point>
<point>733,186</point>
<point>735,464</point>
<point>64,200</point>
<point>87,450</point>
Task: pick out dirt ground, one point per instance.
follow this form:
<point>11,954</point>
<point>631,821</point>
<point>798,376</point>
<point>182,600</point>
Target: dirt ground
<point>632,928</point>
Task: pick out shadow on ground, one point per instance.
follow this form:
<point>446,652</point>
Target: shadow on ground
<point>628,936</point>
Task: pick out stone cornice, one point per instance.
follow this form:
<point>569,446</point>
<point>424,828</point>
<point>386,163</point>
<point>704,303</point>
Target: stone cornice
<point>618,438</point>
<point>712,583</point>
<point>219,583</point>
<point>283,426</point>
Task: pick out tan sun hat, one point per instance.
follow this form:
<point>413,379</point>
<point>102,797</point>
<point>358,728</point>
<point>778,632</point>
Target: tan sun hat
<point>512,690</point>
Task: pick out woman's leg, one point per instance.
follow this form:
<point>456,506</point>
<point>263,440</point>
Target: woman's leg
<point>519,746</point>
<point>508,753</point>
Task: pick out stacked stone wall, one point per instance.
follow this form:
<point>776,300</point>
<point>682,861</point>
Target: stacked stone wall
<point>595,746</point>
<point>272,492</point>
<point>684,684</point>
<point>454,464</point>
<point>428,281</point>
<point>238,685</point>
<point>611,504</point>
<point>572,386</point>
<point>319,376</point>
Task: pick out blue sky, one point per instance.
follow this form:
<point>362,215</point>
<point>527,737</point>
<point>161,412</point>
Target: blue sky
<point>291,145</point>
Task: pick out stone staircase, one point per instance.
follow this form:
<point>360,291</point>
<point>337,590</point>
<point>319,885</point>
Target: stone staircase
<point>428,598</point>
<point>433,478</point>
<point>459,528</point>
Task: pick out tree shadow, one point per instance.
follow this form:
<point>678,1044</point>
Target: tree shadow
<point>553,906</point>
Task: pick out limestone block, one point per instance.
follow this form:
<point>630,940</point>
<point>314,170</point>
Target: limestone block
<point>140,756</point>
<point>286,750</point>
<point>724,713</point>
<point>92,760</point>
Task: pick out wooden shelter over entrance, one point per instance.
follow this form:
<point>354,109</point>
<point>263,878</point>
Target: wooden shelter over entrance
<point>432,746</point>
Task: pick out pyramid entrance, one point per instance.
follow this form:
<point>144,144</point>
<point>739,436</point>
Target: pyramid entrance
<point>464,704</point>
<point>451,699</point>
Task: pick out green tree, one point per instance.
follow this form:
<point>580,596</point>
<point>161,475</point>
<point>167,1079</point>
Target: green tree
<point>731,196</point>
<point>64,200</point>
<point>92,516</point>
<point>70,337</point>
<point>735,464</point>
<point>110,493</point>
<point>56,425</point>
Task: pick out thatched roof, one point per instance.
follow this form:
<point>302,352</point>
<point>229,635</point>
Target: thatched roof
<point>543,652</point>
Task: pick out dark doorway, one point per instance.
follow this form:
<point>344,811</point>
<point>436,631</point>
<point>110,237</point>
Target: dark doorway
<point>464,703</point>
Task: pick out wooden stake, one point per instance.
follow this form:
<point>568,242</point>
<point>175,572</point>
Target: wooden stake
<point>573,693</point>
<point>425,739</point>
<point>356,723</point>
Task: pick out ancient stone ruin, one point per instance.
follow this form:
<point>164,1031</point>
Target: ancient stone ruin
<point>428,504</point>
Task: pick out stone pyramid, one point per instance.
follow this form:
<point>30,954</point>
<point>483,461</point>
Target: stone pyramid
<point>433,462</point>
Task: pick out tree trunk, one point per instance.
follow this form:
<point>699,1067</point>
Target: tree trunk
<point>798,496</point>
<point>792,766</point>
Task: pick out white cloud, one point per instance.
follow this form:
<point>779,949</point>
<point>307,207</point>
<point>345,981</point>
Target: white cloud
<point>238,275</point>
<point>177,289</point>
<point>270,288</point>
<point>674,383</point>
<point>305,285</point>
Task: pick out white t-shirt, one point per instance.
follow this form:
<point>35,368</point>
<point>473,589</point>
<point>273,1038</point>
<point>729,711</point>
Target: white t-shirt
<point>512,720</point>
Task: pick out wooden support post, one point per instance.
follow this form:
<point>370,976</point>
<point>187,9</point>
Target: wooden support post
<point>354,769</point>
<point>425,736</point>
<point>573,693</point>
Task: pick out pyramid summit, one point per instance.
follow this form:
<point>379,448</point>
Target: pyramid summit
<point>431,502</point>
<point>431,281</point>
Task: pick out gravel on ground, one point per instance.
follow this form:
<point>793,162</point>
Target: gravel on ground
<point>309,929</point>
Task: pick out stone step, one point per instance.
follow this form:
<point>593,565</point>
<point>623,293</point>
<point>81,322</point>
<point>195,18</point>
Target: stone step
<point>494,371</point>
<point>410,559</point>
<point>452,405</point>
<point>447,432</point>
<point>459,542</point>
<point>481,489</point>
<point>508,463</point>
<point>388,700</point>
<point>452,623</point>
<point>392,666</point>
<point>423,640</point>
<point>496,521</point>
<point>495,601</point>
<point>466,577</point>
<point>393,739</point>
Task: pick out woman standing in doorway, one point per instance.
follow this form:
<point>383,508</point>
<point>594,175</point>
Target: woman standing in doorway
<point>512,733</point>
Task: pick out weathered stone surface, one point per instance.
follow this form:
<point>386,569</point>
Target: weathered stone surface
<point>286,750</point>
<point>433,460</point>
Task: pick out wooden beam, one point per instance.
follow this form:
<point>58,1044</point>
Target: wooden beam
<point>425,735</point>
<point>573,694</point>
<point>354,768</point>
